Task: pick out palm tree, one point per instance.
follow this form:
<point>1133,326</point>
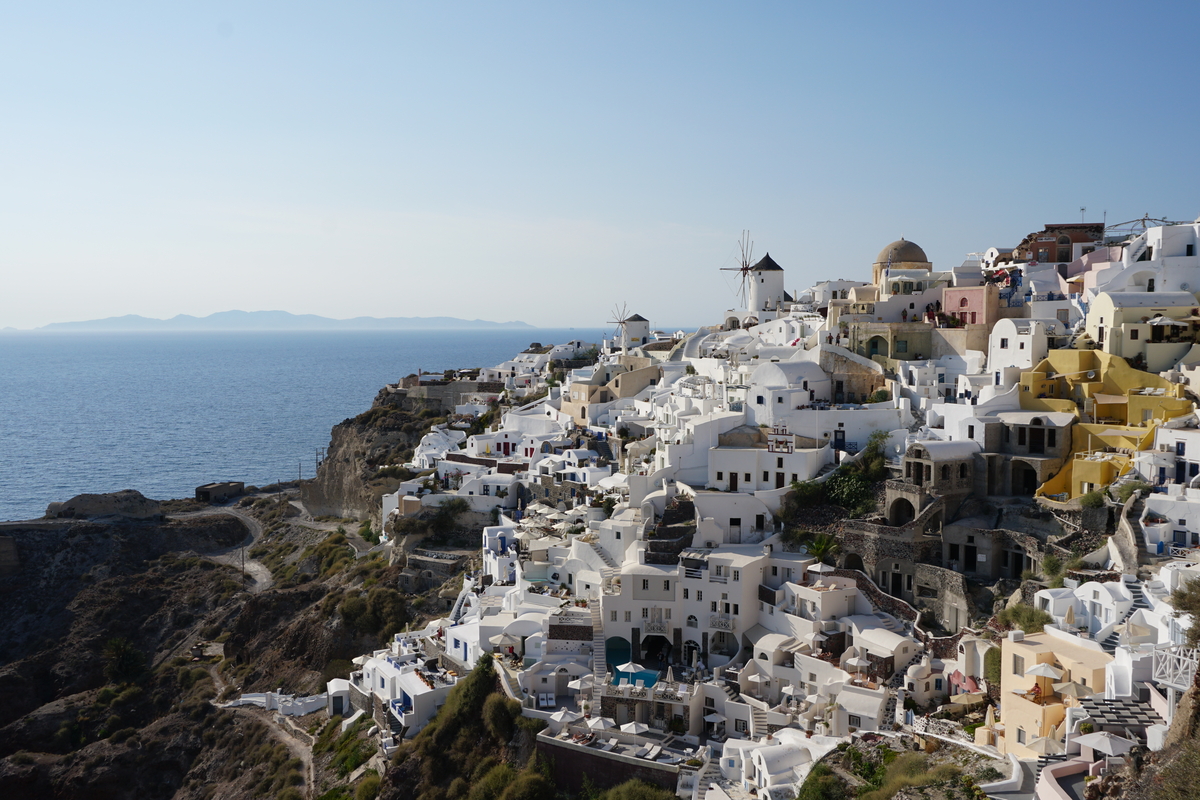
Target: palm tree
<point>822,547</point>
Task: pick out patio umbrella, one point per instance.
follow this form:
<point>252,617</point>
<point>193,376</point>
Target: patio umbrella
<point>714,717</point>
<point>630,666</point>
<point>670,674</point>
<point>967,698</point>
<point>601,723</point>
<point>1073,689</point>
<point>789,689</point>
<point>581,683</point>
<point>1045,746</point>
<point>636,728</point>
<point>1069,619</point>
<point>989,717</point>
<point>563,715</point>
<point>505,640</point>
<point>758,677</point>
<point>1043,670</point>
<point>812,698</point>
<point>857,664</point>
<point>1108,743</point>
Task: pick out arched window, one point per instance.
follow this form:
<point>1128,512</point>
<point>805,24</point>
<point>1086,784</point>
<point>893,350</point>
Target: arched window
<point>692,622</point>
<point>945,471</point>
<point>962,470</point>
<point>962,303</point>
<point>762,656</point>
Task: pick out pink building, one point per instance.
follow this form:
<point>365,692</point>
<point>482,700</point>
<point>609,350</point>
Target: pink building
<point>972,305</point>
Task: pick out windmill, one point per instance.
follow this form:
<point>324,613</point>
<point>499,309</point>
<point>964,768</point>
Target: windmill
<point>746,246</point>
<point>620,314</point>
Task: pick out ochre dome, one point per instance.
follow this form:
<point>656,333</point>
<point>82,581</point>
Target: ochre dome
<point>901,251</point>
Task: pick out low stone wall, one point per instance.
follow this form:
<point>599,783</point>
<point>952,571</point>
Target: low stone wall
<point>936,646</point>
<point>569,763</point>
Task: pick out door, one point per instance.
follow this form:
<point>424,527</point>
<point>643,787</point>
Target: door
<point>1037,440</point>
<point>839,440</point>
<point>895,584</point>
<point>733,478</point>
<point>1180,471</point>
<point>779,480</point>
<point>969,558</point>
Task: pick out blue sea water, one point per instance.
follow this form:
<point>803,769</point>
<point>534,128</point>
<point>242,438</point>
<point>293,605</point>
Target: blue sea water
<point>164,413</point>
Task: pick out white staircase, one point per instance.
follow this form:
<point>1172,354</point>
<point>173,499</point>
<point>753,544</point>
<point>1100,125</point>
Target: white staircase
<point>599,660</point>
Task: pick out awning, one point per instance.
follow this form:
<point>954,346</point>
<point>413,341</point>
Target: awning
<point>1110,399</point>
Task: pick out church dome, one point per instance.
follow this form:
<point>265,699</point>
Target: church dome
<point>901,251</point>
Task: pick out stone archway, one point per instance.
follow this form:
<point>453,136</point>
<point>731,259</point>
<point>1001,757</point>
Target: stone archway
<point>877,346</point>
<point>1024,479</point>
<point>901,512</point>
<point>854,561</point>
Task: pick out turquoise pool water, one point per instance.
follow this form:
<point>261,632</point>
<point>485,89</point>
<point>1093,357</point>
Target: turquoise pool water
<point>648,677</point>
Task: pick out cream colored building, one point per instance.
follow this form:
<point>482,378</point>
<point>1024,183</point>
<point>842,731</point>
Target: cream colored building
<point>1027,714</point>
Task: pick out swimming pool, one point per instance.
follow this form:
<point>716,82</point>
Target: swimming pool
<point>648,677</point>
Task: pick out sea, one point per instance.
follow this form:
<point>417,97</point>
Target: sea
<point>163,413</point>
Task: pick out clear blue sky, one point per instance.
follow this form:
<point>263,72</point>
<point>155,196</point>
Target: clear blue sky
<point>544,162</point>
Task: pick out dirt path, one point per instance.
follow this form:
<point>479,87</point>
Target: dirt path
<point>233,556</point>
<point>295,744</point>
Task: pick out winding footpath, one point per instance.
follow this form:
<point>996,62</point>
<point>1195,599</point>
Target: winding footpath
<point>232,556</point>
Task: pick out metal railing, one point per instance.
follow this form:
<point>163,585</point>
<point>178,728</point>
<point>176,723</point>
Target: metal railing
<point>721,623</point>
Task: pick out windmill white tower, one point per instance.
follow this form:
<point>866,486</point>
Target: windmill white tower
<point>761,282</point>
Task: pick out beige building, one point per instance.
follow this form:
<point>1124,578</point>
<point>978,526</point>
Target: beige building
<point>1029,706</point>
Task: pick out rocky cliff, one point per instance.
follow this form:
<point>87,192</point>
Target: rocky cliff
<point>349,482</point>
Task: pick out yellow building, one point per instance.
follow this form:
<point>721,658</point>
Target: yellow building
<point>1028,713</point>
<point>1118,407</point>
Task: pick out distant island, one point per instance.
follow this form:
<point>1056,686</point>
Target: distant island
<point>275,321</point>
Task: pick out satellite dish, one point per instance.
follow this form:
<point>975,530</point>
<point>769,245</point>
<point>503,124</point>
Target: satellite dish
<point>1091,375</point>
<point>1184,286</point>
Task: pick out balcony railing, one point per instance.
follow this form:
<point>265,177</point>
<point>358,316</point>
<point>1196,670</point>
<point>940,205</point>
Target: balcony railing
<point>689,572</point>
<point>655,627</point>
<point>721,623</point>
<point>714,578</point>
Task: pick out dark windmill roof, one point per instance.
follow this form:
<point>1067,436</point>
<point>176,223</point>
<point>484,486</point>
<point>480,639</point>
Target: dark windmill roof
<point>765,264</point>
<point>635,318</point>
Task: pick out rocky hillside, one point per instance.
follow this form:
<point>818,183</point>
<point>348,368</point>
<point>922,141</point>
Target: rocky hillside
<point>360,464</point>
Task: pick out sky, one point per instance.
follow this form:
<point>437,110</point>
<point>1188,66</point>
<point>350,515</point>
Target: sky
<point>547,162</point>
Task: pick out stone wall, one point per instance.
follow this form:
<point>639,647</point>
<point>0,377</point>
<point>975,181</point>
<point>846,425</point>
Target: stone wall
<point>571,633</point>
<point>569,763</point>
<point>10,562</point>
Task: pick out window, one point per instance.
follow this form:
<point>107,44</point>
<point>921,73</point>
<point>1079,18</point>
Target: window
<point>646,584</point>
<point>970,431</point>
<point>901,346</point>
<point>774,571</point>
<point>937,684</point>
<point>667,612</point>
<point>1020,436</point>
<point>699,596</point>
<point>629,616</point>
<point>748,479</point>
<point>855,721</point>
<point>1133,334</point>
<point>761,402</point>
<point>778,399</point>
<point>766,475</point>
<point>613,616</point>
<point>1018,665</point>
<point>779,463</point>
<point>1051,437</point>
<point>1004,344</point>
<point>737,575</point>
<point>666,586</point>
<point>945,472</point>
<point>685,593</point>
<point>720,476</point>
<point>908,582</point>
<point>962,303</point>
<point>739,725</point>
<point>962,470</point>
<point>692,622</point>
<point>735,609</point>
<point>1020,736</point>
<point>645,613</point>
<point>717,570</point>
<point>713,606</point>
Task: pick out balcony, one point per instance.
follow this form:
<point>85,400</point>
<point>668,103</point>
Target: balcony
<point>688,572</point>
<point>658,626</point>
<point>714,578</point>
<point>721,622</point>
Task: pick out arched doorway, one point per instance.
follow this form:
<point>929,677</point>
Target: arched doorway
<point>854,561</point>
<point>617,651</point>
<point>656,652</point>
<point>1024,479</point>
<point>691,652</point>
<point>901,512</point>
<point>877,346</point>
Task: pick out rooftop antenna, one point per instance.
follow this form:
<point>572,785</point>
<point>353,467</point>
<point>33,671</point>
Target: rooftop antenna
<point>746,246</point>
<point>1082,213</point>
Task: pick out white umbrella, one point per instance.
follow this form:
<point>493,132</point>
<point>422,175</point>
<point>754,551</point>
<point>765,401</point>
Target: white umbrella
<point>581,683</point>
<point>1073,689</point>
<point>857,663</point>
<point>967,698</point>
<point>758,677</point>
<point>505,639</point>
<point>636,728</point>
<point>630,666</point>
<point>813,698</point>
<point>1044,670</point>
<point>601,723</point>
<point>1046,746</point>
<point>821,568</point>
<point>714,717</point>
<point>789,689</point>
<point>1107,743</point>
<point>563,715</point>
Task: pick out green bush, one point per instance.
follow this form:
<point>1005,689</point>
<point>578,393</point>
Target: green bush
<point>123,663</point>
<point>1093,499</point>
<point>499,714</point>
<point>1027,618</point>
<point>368,787</point>
<point>1052,565</point>
<point>991,666</point>
<point>1126,490</point>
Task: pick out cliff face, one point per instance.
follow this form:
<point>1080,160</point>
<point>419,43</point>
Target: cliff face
<point>347,484</point>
